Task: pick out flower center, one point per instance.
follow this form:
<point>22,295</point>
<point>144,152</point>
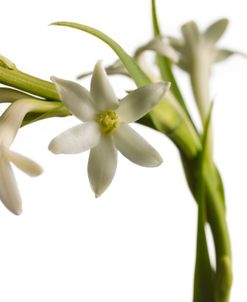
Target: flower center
<point>108,121</point>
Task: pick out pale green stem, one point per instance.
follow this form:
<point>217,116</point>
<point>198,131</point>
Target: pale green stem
<point>199,76</point>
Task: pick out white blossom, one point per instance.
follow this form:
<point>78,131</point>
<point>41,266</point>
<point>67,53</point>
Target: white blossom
<point>105,126</point>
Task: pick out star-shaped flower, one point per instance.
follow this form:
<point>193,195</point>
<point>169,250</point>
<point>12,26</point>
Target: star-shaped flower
<point>10,123</point>
<point>105,126</point>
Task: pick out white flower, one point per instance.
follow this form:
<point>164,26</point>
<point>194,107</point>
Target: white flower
<point>10,123</point>
<point>203,44</point>
<point>105,126</point>
<point>193,43</point>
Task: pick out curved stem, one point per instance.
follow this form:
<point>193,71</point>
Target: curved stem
<point>215,210</point>
<point>217,221</point>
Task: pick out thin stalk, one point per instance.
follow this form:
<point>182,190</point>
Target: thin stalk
<point>164,64</point>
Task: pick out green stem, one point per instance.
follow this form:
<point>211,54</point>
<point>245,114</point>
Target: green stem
<point>217,220</point>
<point>215,210</point>
<point>204,275</point>
<point>164,64</point>
<point>20,80</point>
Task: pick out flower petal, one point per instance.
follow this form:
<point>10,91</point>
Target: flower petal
<point>9,192</point>
<point>223,54</point>
<point>102,165</point>
<point>141,101</point>
<point>162,46</point>
<point>214,32</point>
<point>191,35</point>
<point>101,90</point>
<point>76,139</point>
<point>116,67</point>
<point>23,163</point>
<point>135,148</point>
<point>76,98</point>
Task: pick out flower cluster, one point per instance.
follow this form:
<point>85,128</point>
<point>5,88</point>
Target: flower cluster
<point>104,130</point>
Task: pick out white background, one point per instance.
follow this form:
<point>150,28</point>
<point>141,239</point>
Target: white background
<point>136,242</point>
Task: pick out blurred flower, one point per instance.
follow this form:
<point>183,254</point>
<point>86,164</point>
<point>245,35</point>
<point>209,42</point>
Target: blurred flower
<point>105,129</point>
<point>195,53</point>
<point>10,122</point>
<point>183,51</point>
<point>204,43</point>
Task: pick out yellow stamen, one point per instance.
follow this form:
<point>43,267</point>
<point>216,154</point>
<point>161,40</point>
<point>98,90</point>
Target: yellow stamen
<point>108,121</point>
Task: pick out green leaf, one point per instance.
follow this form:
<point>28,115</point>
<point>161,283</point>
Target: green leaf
<point>140,78</point>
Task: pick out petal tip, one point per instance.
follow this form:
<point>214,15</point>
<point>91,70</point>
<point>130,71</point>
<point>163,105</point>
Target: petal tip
<point>16,211</point>
<point>159,162</point>
<point>156,162</point>
<point>52,147</point>
<point>165,86</point>
<point>161,89</point>
<point>39,170</point>
<point>99,63</point>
